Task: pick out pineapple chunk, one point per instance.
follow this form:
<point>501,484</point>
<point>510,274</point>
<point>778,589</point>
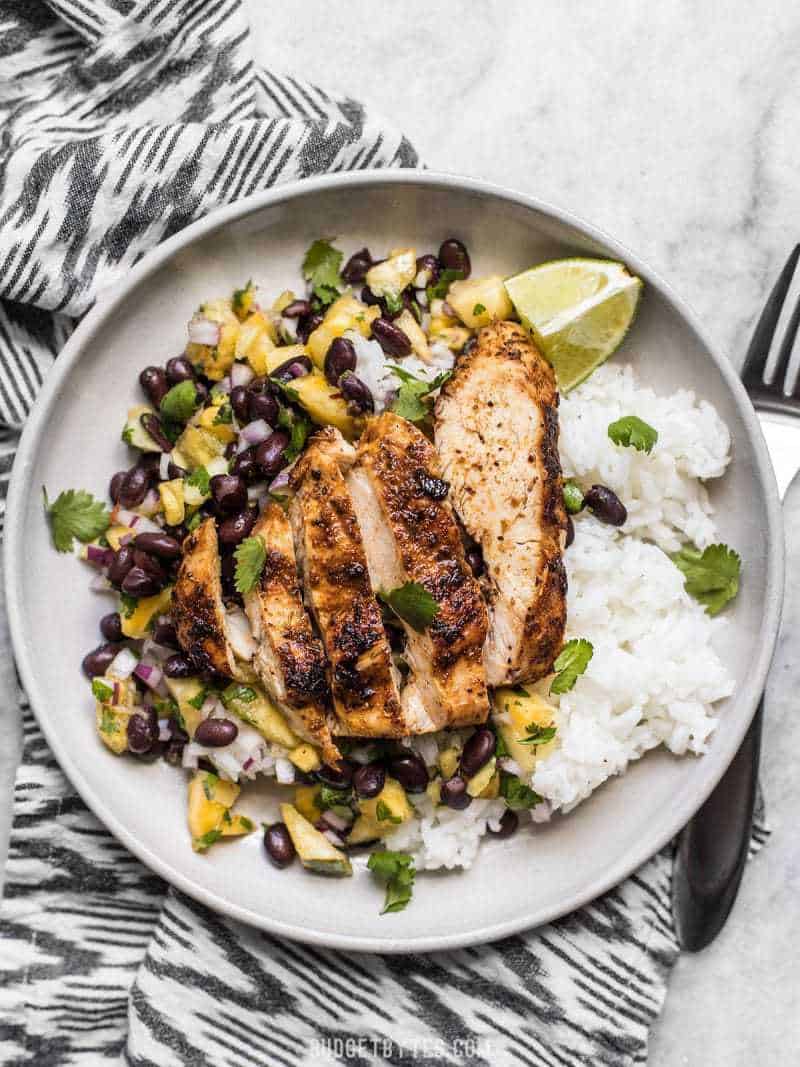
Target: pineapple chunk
<point>114,535</point>
<point>257,339</point>
<point>314,849</point>
<point>389,808</point>
<point>344,314</point>
<point>283,300</point>
<point>390,277</point>
<point>434,790</point>
<point>236,825</point>
<point>198,447</point>
<point>448,762</point>
<point>134,434</point>
<point>209,419</point>
<point>173,501</point>
<point>242,301</point>
<point>306,800</point>
<point>479,301</point>
<point>305,757</point>
<point>521,711</point>
<point>492,790</point>
<point>325,404</point>
<point>184,691</point>
<point>480,781</point>
<point>138,625</point>
<point>216,362</point>
<point>210,801</point>
<point>453,337</point>
<point>112,726</point>
<point>414,332</point>
<point>364,830</point>
<point>285,354</point>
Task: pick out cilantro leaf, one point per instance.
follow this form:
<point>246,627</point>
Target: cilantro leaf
<point>443,283</point>
<point>384,813</point>
<point>224,414</point>
<point>516,794</point>
<point>712,576</point>
<point>199,700</point>
<point>251,555</point>
<point>108,722</point>
<point>500,746</point>
<point>200,480</point>
<point>412,400</point>
<point>194,521</point>
<point>300,429</point>
<point>572,661</point>
<point>101,690</point>
<point>237,694</point>
<point>242,299</point>
<point>181,402</point>
<point>330,797</point>
<point>413,604</point>
<point>209,784</point>
<point>632,432</point>
<point>397,868</point>
<point>207,840</point>
<point>394,304</point>
<point>127,604</point>
<point>479,309</point>
<point>321,267</point>
<point>538,735</point>
<point>573,497</point>
<point>75,513</point>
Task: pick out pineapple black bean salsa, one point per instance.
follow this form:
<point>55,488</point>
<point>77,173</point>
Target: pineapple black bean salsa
<point>222,425</point>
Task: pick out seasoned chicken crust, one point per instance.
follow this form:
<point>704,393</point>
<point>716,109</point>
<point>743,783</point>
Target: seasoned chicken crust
<point>197,607</point>
<point>497,437</point>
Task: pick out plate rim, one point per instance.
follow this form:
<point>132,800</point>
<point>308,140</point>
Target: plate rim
<point>110,298</point>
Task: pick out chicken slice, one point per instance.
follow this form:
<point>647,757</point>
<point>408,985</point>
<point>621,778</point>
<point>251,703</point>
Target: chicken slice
<point>497,436</point>
<point>411,535</point>
<point>330,551</point>
<point>197,607</point>
<point>290,659</point>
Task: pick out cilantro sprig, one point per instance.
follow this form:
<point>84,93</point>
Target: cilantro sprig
<point>413,400</point>
<point>321,267</point>
<point>712,576</point>
<point>537,735</point>
<point>398,869</point>
<point>632,432</point>
<point>516,794</point>
<point>571,663</point>
<point>438,291</point>
<point>75,513</point>
<point>411,603</point>
<point>299,426</point>
<point>250,556</point>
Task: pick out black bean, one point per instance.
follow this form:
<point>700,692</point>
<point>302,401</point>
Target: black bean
<point>115,485</point>
<point>477,751</point>
<point>475,560</point>
<point>158,544</point>
<point>227,572</point>
<point>391,338</point>
<point>244,465</point>
<point>355,269</point>
<point>179,369</point>
<point>154,382</point>
<point>279,845</point>
<point>138,583</point>
<point>178,666</point>
<point>338,777</point>
<point>509,821</point>
<point>120,565</point>
<point>570,531</point>
<point>164,632</point>
<point>356,393</point>
<point>605,505</point>
<point>369,780</point>
<point>229,492</point>
<point>150,463</point>
<point>269,454</point>
<point>259,384</point>
<point>235,528</point>
<point>99,660</point>
<point>174,471</point>
<point>134,487</point>
<point>216,733</point>
<point>297,367</point>
<point>176,731</point>
<point>173,753</point>
<point>239,402</point>
<point>340,357</point>
<point>230,450</point>
<point>306,325</point>
<point>111,626</point>
<point>431,265</point>
<point>297,309</point>
<point>454,793</point>
<point>149,564</point>
<point>142,732</point>
<point>410,771</point>
<point>369,298</point>
<point>453,255</point>
<point>152,425</point>
<point>263,406</point>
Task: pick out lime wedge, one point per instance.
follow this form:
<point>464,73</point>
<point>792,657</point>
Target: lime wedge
<point>578,311</point>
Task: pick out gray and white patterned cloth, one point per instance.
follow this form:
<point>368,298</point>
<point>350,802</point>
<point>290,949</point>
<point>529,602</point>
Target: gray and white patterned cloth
<point>122,121</point>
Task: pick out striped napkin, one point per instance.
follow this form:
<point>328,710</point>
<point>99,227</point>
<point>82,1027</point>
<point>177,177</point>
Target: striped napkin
<point>124,120</point>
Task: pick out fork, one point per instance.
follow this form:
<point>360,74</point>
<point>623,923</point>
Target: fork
<point>713,846</point>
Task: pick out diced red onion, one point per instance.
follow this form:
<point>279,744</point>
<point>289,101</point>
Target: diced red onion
<point>164,732</point>
<point>333,838</point>
<point>123,664</point>
<point>542,812</point>
<point>147,526</point>
<point>150,505</point>
<point>126,539</point>
<point>156,651</point>
<point>447,310</point>
<point>99,556</point>
<point>101,584</point>
<point>209,706</point>
<point>241,374</point>
<point>203,331</point>
<point>223,387</point>
<point>506,763</point>
<point>280,483</point>
<point>149,673</point>
<point>255,432</point>
<point>163,466</point>
<point>284,770</point>
<point>335,822</point>
<point>191,756</point>
<point>257,493</point>
<point>289,329</point>
<point>122,517</point>
<point>248,763</point>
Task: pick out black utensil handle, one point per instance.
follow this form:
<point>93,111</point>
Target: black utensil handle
<point>713,847</point>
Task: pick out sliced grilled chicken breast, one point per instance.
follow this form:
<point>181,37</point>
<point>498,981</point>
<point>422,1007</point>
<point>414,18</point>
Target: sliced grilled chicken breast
<point>497,437</point>
<point>289,659</point>
<point>197,607</point>
<point>411,535</point>
<point>330,551</point>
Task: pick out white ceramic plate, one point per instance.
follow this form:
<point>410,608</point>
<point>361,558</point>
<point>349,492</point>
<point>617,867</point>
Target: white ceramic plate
<point>72,441</point>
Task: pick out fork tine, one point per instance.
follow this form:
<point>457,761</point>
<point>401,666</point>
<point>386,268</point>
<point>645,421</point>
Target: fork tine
<point>787,344</point>
<point>758,350</point>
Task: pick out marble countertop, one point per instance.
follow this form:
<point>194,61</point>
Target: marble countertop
<point>670,126</point>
